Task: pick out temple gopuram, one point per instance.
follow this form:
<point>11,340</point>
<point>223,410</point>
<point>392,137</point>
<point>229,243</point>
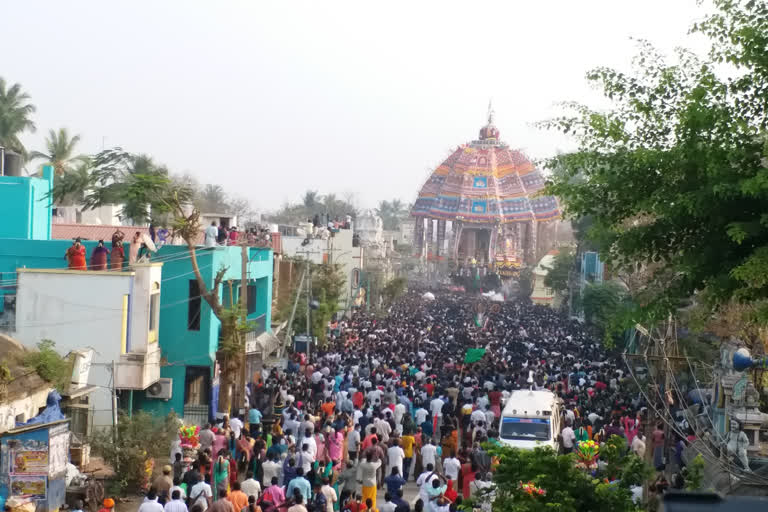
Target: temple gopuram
<point>486,196</point>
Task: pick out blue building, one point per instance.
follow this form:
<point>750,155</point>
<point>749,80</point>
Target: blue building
<point>188,331</point>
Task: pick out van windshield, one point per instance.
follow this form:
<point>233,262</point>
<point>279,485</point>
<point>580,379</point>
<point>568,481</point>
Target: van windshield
<point>525,429</point>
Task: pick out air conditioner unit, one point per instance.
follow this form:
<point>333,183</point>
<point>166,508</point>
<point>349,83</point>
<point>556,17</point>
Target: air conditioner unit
<point>162,389</point>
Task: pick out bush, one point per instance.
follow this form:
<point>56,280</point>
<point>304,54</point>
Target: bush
<point>49,365</point>
<point>140,437</point>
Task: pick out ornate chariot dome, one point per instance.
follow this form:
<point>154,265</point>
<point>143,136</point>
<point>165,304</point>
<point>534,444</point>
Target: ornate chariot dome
<point>485,181</point>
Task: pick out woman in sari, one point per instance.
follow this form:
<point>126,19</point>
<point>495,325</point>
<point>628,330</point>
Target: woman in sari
<point>221,476</point>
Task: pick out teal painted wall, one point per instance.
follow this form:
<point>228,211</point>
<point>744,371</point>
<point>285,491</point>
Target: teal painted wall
<point>24,206</point>
<point>182,347</point>
<point>25,242</point>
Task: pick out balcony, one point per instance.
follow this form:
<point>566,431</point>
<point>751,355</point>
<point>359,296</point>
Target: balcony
<point>138,371</point>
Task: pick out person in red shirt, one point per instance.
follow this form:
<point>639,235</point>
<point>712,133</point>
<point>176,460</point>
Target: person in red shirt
<point>75,256</point>
<point>357,399</point>
<point>328,406</point>
<point>467,475</point>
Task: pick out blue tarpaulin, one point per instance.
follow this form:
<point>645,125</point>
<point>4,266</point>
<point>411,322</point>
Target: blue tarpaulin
<point>52,411</point>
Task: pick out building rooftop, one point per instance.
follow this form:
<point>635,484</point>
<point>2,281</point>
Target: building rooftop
<point>23,380</point>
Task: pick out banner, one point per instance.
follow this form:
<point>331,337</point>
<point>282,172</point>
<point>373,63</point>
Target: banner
<point>474,355</point>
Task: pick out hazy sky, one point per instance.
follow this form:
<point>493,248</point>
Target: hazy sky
<point>271,98</point>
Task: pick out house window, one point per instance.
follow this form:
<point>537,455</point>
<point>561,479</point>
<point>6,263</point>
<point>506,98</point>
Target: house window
<point>194,306</point>
<point>154,315</point>
<point>251,299</point>
<point>197,384</point>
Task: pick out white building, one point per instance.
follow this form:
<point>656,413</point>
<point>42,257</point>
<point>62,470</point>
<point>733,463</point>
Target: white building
<point>338,249</point>
<point>542,294</point>
<point>117,314</point>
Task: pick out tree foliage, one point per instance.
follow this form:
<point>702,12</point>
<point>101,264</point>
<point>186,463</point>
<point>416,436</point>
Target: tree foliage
<point>328,290</point>
<point>15,116</point>
<point>394,289</point>
<point>559,274</point>
<point>604,305</point>
<point>675,172</point>
<point>313,203</point>
<point>567,487</point>
<point>392,213</point>
<point>60,152</point>
<point>49,365</point>
<point>129,454</point>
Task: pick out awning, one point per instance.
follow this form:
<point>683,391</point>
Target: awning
<point>77,393</point>
<point>264,343</point>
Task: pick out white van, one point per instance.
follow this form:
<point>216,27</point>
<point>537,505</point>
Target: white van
<point>530,419</point>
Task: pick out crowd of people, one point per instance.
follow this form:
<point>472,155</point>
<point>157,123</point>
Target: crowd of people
<point>389,400</point>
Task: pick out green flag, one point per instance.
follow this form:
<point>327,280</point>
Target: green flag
<point>474,355</point>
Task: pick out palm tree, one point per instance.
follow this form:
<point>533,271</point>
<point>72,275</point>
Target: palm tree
<point>60,148</point>
<point>213,199</point>
<point>15,112</point>
<point>311,199</point>
<point>72,186</point>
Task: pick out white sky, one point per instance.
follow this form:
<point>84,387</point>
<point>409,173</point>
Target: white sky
<point>271,98</point>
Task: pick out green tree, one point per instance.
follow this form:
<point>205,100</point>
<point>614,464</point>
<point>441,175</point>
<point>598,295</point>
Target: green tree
<point>129,454</point>
<point>70,188</point>
<point>15,116</point>
<point>604,305</point>
<point>148,193</point>
<point>327,289</point>
<point>212,199</point>
<point>60,152</point>
<point>49,365</point>
<point>674,173</point>
<point>394,289</point>
<point>392,213</point>
<point>311,199</point>
<point>134,181</point>
<point>559,274</point>
<point>566,486</point>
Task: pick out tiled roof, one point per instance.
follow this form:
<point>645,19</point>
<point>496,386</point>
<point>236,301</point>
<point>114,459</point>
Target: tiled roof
<point>92,231</point>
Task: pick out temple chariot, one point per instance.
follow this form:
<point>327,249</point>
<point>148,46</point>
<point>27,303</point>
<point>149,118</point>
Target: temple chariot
<point>482,209</point>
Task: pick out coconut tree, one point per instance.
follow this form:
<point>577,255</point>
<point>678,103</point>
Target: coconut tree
<point>15,113</point>
<point>212,198</point>
<point>60,151</point>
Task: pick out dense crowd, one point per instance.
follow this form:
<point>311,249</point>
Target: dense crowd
<point>389,400</point>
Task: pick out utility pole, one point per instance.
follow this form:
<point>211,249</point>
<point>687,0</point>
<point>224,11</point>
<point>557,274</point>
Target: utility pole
<point>243,318</point>
<point>114,402</point>
<point>660,353</point>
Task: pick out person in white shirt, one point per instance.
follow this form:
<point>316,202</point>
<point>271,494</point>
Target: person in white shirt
<point>307,458</point>
<point>201,495</point>
<point>150,503</point>
<point>638,445</point>
<point>395,456</point>
<point>388,506</point>
<point>175,487</point>
<point>477,417</point>
<point>330,495</point>
<point>452,466</point>
<point>424,482</point>
<point>236,425</point>
<point>272,468</point>
<point>211,234</point>
<point>421,415</point>
<point>429,453</point>
<point>309,440</point>
<point>382,428</point>
<point>400,411</point>
<point>177,503</point>
<point>569,438</point>
<point>250,486</point>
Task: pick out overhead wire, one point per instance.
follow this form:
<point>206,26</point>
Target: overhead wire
<point>181,255</point>
<point>710,456</point>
